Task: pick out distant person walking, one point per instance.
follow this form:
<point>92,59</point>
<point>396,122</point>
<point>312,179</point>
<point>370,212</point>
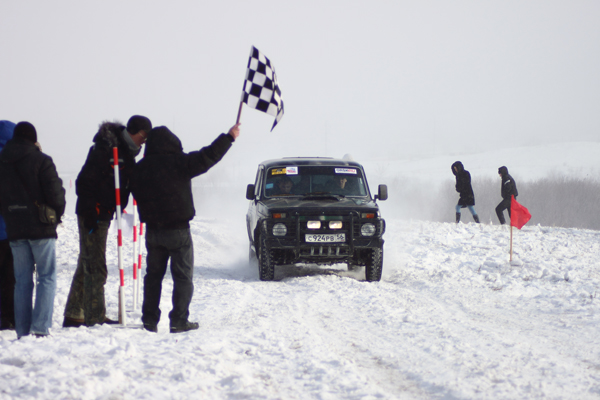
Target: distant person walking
<point>96,204</point>
<point>7,274</point>
<point>28,183</point>
<point>508,189</point>
<point>463,187</point>
<point>162,186</point>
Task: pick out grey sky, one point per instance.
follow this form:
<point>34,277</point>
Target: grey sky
<point>389,79</point>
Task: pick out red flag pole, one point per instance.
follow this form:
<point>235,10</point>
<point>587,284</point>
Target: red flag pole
<point>135,258</point>
<point>139,283</point>
<point>122,316</point>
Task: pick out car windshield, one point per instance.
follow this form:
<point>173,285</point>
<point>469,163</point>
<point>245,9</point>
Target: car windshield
<point>315,181</point>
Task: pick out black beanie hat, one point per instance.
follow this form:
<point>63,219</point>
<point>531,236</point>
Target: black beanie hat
<point>138,123</point>
<point>26,131</point>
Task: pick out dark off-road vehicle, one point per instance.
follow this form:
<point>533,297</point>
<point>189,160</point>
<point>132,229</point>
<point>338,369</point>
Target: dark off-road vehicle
<point>314,211</point>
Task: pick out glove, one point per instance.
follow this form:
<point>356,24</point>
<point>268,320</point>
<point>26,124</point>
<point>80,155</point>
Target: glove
<point>91,225</point>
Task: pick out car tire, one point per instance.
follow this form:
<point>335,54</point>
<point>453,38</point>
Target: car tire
<point>266,268</point>
<point>374,265</point>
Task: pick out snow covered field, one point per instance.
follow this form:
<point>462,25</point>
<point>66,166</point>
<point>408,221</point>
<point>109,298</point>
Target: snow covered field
<point>451,319</point>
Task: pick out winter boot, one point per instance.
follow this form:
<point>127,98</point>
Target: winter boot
<point>457,218</point>
<point>476,218</point>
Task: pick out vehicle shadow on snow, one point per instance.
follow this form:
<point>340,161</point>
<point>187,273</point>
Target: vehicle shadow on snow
<point>283,272</point>
<point>249,272</point>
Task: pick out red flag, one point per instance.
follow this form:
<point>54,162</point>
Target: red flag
<point>519,215</point>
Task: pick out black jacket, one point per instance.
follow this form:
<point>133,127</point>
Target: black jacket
<point>95,184</point>
<point>509,186</point>
<point>28,176</point>
<point>162,180</point>
<point>463,185</point>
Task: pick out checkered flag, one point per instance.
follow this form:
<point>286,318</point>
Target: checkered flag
<point>261,90</point>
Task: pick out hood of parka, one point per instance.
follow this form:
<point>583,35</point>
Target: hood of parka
<point>459,167</point>
<point>162,141</point>
<point>503,171</point>
<point>109,132</point>
<point>16,149</point>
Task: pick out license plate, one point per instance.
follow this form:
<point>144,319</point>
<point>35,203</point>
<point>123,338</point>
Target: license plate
<point>325,238</point>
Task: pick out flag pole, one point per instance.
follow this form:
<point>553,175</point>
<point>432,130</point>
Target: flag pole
<point>239,111</point>
<point>139,282</point>
<point>122,315</point>
<point>135,248</point>
<point>244,86</point>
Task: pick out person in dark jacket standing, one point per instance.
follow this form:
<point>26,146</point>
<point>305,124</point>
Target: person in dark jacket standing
<point>508,189</point>
<point>463,187</point>
<point>162,186</point>
<point>28,180</point>
<point>95,208</point>
<point>7,274</point>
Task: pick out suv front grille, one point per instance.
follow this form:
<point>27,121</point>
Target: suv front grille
<point>296,226</point>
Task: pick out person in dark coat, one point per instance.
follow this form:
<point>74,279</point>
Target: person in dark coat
<point>7,274</point>
<point>95,208</point>
<point>507,189</point>
<point>463,187</point>
<point>28,181</point>
<point>162,185</point>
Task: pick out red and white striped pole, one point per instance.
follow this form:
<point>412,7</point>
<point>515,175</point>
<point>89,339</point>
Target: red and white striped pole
<point>135,256</point>
<point>139,283</point>
<point>122,315</point>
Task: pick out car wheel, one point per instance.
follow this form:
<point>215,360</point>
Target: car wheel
<point>266,268</point>
<point>374,265</point>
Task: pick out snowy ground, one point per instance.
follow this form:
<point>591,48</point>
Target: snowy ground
<point>452,318</point>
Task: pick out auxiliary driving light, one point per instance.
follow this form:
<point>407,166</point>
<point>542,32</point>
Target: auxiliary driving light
<point>313,224</point>
<point>335,224</point>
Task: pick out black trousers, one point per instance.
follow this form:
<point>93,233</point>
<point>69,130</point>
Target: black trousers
<point>504,205</point>
<point>163,245</point>
<point>7,285</point>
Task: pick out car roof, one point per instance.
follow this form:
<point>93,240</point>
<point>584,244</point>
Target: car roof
<point>291,161</point>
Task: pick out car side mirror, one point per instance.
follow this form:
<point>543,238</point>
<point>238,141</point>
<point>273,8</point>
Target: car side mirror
<point>250,192</point>
<point>382,193</point>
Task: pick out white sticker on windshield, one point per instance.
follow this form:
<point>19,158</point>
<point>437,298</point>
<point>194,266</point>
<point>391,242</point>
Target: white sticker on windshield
<point>291,171</point>
<point>345,171</point>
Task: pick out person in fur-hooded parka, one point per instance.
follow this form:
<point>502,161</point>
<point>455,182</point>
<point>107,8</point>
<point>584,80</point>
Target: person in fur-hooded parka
<point>96,204</point>
<point>464,188</point>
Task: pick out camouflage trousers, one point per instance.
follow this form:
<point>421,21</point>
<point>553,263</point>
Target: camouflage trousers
<point>86,296</point>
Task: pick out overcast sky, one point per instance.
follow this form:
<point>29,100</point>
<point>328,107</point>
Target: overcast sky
<point>388,79</point>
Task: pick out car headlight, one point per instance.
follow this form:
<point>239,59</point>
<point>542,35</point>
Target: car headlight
<point>313,224</point>
<point>279,230</point>
<point>367,230</point>
<point>335,224</point>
